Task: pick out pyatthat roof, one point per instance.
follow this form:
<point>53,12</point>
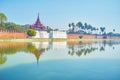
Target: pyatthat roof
<point>38,25</point>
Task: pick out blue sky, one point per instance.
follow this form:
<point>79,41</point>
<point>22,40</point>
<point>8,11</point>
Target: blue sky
<point>58,13</point>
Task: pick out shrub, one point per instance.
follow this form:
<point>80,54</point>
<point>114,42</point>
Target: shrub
<point>31,32</point>
<point>80,37</point>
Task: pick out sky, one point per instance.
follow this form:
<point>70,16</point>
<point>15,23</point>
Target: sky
<point>59,13</point>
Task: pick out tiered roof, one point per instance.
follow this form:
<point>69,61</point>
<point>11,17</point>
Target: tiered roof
<point>38,25</point>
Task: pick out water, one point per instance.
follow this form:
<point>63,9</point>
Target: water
<point>84,60</point>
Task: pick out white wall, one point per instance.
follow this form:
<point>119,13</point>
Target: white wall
<point>53,34</point>
<point>37,35</point>
<point>58,34</point>
<point>44,34</point>
<point>41,34</point>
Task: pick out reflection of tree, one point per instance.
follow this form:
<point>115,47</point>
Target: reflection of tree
<point>72,51</point>
<point>102,48</point>
<point>80,51</point>
<point>87,48</point>
<point>30,48</point>
<point>37,52</point>
<point>110,43</point>
<point>3,59</point>
<point>79,48</point>
<point>9,48</point>
<point>13,48</point>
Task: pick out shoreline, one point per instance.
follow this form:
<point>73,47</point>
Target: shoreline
<point>48,40</point>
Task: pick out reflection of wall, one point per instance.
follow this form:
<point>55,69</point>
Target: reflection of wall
<point>53,45</point>
<point>59,45</point>
<point>79,42</point>
<point>57,34</point>
<point>40,45</point>
<point>12,44</point>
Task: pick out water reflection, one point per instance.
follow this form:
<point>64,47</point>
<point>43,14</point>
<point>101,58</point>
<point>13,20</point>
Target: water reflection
<point>84,48</point>
<point>10,48</point>
<point>38,48</point>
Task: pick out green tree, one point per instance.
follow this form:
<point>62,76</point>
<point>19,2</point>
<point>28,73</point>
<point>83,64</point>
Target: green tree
<point>31,32</point>
<point>48,29</point>
<point>80,25</point>
<point>102,29</point>
<point>69,25</point>
<point>86,26</point>
<point>73,26</point>
<point>3,18</point>
<point>10,26</point>
<point>114,31</point>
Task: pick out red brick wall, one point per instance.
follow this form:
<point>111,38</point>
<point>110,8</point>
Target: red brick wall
<point>10,34</point>
<point>74,36</point>
<point>84,36</point>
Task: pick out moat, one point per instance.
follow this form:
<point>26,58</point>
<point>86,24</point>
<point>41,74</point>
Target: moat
<point>95,60</point>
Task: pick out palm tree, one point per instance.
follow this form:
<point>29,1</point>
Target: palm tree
<point>79,24</point>
<point>89,28</point>
<point>3,18</point>
<point>69,25</point>
<point>102,29</point>
<point>97,29</point>
<point>85,25</point>
<point>73,26</point>
<point>113,30</point>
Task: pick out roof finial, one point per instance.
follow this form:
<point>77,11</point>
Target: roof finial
<point>38,14</point>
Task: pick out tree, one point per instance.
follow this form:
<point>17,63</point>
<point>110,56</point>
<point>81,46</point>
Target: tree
<point>113,30</point>
<point>3,18</point>
<point>69,25</point>
<point>97,29</point>
<point>102,29</point>
<point>85,25</point>
<point>79,24</point>
<point>110,34</point>
<point>31,32</point>
<point>10,26</point>
<point>73,26</point>
<point>89,28</point>
<point>49,29</point>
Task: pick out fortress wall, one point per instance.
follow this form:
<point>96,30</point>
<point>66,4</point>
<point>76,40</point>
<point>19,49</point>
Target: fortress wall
<point>12,34</point>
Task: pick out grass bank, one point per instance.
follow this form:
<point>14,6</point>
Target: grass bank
<point>48,40</point>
